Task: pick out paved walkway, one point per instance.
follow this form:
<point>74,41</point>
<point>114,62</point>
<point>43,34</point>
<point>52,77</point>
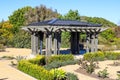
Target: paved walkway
<point>9,73</point>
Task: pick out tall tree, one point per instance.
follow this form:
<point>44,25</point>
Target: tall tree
<point>40,13</point>
<point>72,15</point>
<point>18,18</point>
<point>6,34</point>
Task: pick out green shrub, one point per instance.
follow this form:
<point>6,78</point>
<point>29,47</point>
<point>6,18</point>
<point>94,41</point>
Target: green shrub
<point>96,56</point>
<point>8,57</point>
<point>39,60</point>
<point>61,58</point>
<point>58,74</point>
<point>19,58</point>
<point>71,76</point>
<point>57,64</point>
<point>2,47</point>
<point>103,73</point>
<point>34,70</point>
<point>100,56</point>
<point>90,68</point>
<point>112,55</point>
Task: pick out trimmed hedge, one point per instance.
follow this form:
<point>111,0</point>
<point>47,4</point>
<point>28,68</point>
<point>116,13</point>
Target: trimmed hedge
<point>100,56</point>
<point>34,70</point>
<point>39,60</point>
<point>60,58</point>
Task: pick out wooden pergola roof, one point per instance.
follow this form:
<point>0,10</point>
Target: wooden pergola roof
<point>57,25</point>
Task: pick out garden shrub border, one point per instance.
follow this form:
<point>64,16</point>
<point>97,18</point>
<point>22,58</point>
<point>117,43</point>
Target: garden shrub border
<point>100,56</point>
<point>34,70</point>
<point>33,67</point>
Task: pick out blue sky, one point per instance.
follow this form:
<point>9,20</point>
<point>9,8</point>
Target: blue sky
<point>108,9</point>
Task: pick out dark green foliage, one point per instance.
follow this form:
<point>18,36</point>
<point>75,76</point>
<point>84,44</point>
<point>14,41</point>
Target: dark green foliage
<point>103,73</point>
<point>18,19</point>
<point>8,57</point>
<point>65,43</point>
<point>34,70</point>
<point>21,39</point>
<point>98,20</point>
<point>71,76</point>
<point>72,15</point>
<point>57,64</point>
<point>61,58</point>
<point>39,60</point>
<point>109,34</point>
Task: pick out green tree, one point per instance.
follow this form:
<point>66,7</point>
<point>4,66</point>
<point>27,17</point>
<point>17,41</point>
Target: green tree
<point>6,34</point>
<point>71,15</point>
<point>98,20</point>
<point>17,19</point>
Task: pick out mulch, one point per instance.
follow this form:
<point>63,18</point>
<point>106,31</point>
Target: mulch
<point>83,71</point>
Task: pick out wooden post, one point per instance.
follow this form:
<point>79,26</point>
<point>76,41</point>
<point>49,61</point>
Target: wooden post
<point>96,42</point>
<point>75,42</point>
<point>55,43</point>
<point>48,43</point>
<point>34,43</point>
<point>92,37</point>
<point>87,43</point>
<point>41,41</point>
<point>59,42</point>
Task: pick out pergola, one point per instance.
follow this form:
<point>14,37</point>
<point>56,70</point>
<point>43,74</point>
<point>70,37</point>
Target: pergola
<point>55,27</point>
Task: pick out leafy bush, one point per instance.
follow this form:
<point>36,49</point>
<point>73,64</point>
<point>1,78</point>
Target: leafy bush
<point>18,58</point>
<point>103,73</point>
<point>112,55</point>
<point>91,67</point>
<point>57,64</point>
<point>34,70</point>
<point>2,48</point>
<point>39,60</point>
<point>71,76</point>
<point>58,74</point>
<point>61,58</point>
<point>100,56</point>
<point>96,56</point>
<point>8,57</point>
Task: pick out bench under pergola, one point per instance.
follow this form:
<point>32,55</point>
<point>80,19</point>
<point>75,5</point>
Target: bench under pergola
<point>55,27</point>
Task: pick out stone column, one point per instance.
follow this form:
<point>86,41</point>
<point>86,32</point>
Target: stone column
<point>34,43</point>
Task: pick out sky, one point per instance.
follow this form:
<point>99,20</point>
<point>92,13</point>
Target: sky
<point>108,9</point>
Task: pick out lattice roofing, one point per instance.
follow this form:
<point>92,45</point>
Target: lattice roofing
<point>59,22</point>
